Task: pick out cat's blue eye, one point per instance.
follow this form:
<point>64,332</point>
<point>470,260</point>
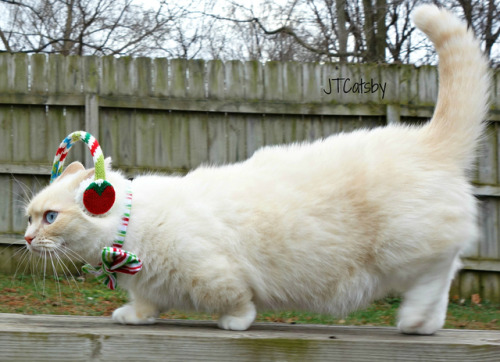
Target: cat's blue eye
<point>50,216</point>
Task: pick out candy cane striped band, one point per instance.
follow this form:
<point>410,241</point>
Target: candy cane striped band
<point>95,151</point>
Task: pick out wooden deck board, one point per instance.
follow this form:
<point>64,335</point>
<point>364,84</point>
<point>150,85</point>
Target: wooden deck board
<point>64,338</point>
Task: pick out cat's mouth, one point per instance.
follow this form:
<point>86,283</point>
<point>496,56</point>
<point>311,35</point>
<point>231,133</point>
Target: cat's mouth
<point>44,246</point>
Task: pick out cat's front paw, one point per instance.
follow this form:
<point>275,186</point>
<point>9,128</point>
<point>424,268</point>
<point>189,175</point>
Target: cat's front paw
<point>128,315</point>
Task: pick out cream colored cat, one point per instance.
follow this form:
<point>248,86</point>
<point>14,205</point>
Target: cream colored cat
<point>327,226</point>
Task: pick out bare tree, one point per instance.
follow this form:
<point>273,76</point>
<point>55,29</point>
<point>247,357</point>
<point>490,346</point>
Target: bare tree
<point>292,30</point>
<point>80,27</point>
<point>351,30</point>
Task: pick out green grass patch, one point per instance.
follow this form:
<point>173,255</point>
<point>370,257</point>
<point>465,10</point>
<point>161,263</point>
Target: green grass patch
<point>82,296</point>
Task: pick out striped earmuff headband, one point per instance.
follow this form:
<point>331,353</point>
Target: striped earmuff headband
<point>99,196</point>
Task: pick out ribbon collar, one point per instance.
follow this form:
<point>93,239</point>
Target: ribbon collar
<point>114,258</point>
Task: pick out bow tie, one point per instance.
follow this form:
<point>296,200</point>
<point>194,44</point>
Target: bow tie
<point>114,260</point>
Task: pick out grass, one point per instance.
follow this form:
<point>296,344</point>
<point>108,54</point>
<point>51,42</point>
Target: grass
<point>32,295</point>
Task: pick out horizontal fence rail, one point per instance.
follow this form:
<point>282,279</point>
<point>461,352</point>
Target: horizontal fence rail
<point>171,115</point>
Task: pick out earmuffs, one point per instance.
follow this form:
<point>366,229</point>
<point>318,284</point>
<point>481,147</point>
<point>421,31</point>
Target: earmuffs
<point>99,196</point>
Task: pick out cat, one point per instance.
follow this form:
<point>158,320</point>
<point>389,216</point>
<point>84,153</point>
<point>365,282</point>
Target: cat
<point>327,226</point>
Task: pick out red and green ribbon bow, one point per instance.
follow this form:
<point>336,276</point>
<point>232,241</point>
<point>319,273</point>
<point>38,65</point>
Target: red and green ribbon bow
<point>114,260</point>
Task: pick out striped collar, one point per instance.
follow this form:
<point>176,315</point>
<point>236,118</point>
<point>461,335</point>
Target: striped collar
<point>114,258</point>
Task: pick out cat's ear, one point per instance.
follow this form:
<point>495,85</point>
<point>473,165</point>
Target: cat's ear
<point>74,167</point>
<point>107,163</point>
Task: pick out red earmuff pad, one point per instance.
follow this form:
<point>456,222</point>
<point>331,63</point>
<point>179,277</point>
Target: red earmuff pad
<point>99,197</point>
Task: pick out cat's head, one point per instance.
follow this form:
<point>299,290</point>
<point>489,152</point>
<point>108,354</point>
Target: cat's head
<point>57,222</point>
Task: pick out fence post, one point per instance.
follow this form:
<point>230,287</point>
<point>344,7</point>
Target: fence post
<point>393,114</point>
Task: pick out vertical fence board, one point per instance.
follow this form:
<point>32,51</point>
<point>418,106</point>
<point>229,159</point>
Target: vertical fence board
<point>196,79</point>
<point>6,133</point>
<point>488,161</point>
<point>488,246</point>
<point>236,139</point>
<point>408,85</point>
<point>292,82</point>
<point>38,132</point>
<point>108,135</point>
<point>273,130</point>
<point>22,187</point>
<point>294,129</point>
<point>215,79</point>
<point>160,79</point>
<point>21,132</point>
<point>163,141</point>
<point>6,72</point>
<point>39,81</point>
<point>108,78</point>
<point>20,78</point>
<point>198,139</point>
<point>427,85</point>
<point>313,82</point>
<point>144,68</point>
<point>74,120</point>
<point>144,147</point>
<point>254,80</point>
<point>490,286</point>
<point>178,81</point>
<point>217,140</point>
<point>158,156</point>
<point>127,138</point>
<point>330,126</point>
<point>496,93</point>
<point>235,84</point>
<point>254,133</point>
<point>470,283</point>
<point>370,74</point>
<point>273,81</point>
<point>91,74</point>
<point>73,75</point>
<point>330,83</point>
<point>313,129</point>
<point>126,76</point>
<point>390,76</point>
<point>179,139</point>
<point>5,201</point>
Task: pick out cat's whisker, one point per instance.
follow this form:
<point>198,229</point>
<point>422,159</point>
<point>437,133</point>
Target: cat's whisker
<point>24,255</point>
<point>71,254</point>
<point>65,269</point>
<point>44,272</point>
<point>56,277</point>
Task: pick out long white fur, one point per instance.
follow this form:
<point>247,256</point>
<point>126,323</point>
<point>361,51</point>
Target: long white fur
<point>327,226</point>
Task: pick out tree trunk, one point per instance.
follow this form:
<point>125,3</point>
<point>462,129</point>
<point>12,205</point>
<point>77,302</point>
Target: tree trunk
<point>67,43</point>
<point>340,10</point>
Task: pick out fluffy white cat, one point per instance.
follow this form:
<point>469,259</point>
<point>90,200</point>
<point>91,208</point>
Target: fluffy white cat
<point>327,226</point>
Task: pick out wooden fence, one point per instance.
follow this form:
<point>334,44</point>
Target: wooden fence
<point>172,115</point>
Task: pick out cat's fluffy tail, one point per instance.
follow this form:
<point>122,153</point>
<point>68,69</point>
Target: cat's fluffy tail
<point>464,82</point>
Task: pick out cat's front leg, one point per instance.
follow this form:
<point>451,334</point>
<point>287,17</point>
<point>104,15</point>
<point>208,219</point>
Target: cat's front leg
<point>137,312</point>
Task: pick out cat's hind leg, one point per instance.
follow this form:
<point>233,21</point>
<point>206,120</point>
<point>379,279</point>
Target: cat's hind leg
<point>223,290</point>
<point>137,312</point>
<point>425,302</point>
<point>238,319</point>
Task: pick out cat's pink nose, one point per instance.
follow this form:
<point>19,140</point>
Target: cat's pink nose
<point>28,239</point>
